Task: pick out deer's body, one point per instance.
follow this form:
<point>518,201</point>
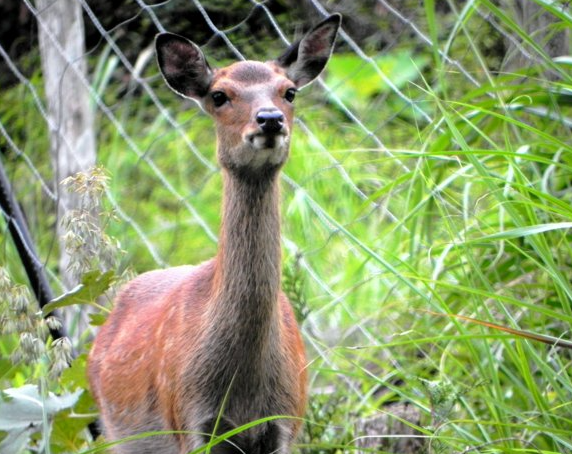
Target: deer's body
<point>205,349</point>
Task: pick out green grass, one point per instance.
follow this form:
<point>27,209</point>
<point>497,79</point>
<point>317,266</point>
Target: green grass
<point>465,215</point>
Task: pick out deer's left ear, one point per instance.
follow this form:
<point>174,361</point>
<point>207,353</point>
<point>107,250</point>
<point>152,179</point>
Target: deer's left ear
<point>305,60</point>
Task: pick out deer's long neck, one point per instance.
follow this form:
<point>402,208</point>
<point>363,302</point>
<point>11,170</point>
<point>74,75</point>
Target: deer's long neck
<point>247,276</point>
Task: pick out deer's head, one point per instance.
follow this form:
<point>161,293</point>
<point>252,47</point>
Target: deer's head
<point>251,101</point>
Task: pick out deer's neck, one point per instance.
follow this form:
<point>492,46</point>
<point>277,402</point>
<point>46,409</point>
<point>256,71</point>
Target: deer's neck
<point>247,276</point>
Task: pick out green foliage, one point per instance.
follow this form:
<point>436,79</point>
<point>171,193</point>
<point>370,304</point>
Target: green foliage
<point>357,82</point>
<point>424,180</point>
<point>24,410</point>
<point>93,285</point>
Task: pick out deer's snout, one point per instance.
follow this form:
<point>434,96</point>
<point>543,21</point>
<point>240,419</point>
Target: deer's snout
<point>268,129</point>
<point>271,121</point>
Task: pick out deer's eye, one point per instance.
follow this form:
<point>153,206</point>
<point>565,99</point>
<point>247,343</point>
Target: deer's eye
<point>290,94</point>
<point>219,98</point>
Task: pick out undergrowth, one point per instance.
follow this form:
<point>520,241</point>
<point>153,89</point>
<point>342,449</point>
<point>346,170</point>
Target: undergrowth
<point>412,241</point>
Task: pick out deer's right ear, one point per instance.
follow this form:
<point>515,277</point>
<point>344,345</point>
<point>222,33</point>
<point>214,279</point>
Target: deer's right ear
<point>183,65</point>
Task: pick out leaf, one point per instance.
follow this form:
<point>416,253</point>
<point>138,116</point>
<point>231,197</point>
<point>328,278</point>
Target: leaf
<point>75,376</point>
<point>22,410</point>
<point>16,440</point>
<point>69,430</point>
<point>354,80</point>
<point>565,59</point>
<point>93,284</point>
<point>24,407</point>
<point>97,319</point>
<point>522,232</point>
<point>554,341</point>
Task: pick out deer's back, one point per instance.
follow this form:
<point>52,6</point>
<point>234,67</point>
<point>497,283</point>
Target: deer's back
<point>137,353</point>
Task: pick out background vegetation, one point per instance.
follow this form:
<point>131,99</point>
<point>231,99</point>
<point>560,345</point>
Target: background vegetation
<point>426,205</point>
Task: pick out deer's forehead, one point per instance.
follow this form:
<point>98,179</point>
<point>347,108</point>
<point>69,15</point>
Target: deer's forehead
<point>248,73</point>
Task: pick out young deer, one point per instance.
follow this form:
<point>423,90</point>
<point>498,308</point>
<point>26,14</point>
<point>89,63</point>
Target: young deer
<point>202,350</point>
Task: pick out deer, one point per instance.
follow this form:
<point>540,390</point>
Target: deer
<point>193,352</point>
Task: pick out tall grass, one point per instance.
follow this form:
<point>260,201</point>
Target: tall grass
<point>480,200</point>
<point>403,252</point>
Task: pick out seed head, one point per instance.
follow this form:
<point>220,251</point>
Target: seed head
<point>62,356</point>
<point>31,347</point>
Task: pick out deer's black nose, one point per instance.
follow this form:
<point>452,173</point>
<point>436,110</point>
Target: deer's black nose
<point>270,121</point>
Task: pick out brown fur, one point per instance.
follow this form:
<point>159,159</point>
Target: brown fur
<point>187,346</point>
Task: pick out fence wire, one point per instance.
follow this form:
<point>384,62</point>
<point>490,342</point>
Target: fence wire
<point>134,152</point>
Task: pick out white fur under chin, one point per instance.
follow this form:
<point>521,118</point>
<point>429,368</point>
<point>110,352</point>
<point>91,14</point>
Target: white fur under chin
<point>263,155</point>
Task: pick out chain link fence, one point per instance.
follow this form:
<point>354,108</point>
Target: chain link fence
<point>353,255</point>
